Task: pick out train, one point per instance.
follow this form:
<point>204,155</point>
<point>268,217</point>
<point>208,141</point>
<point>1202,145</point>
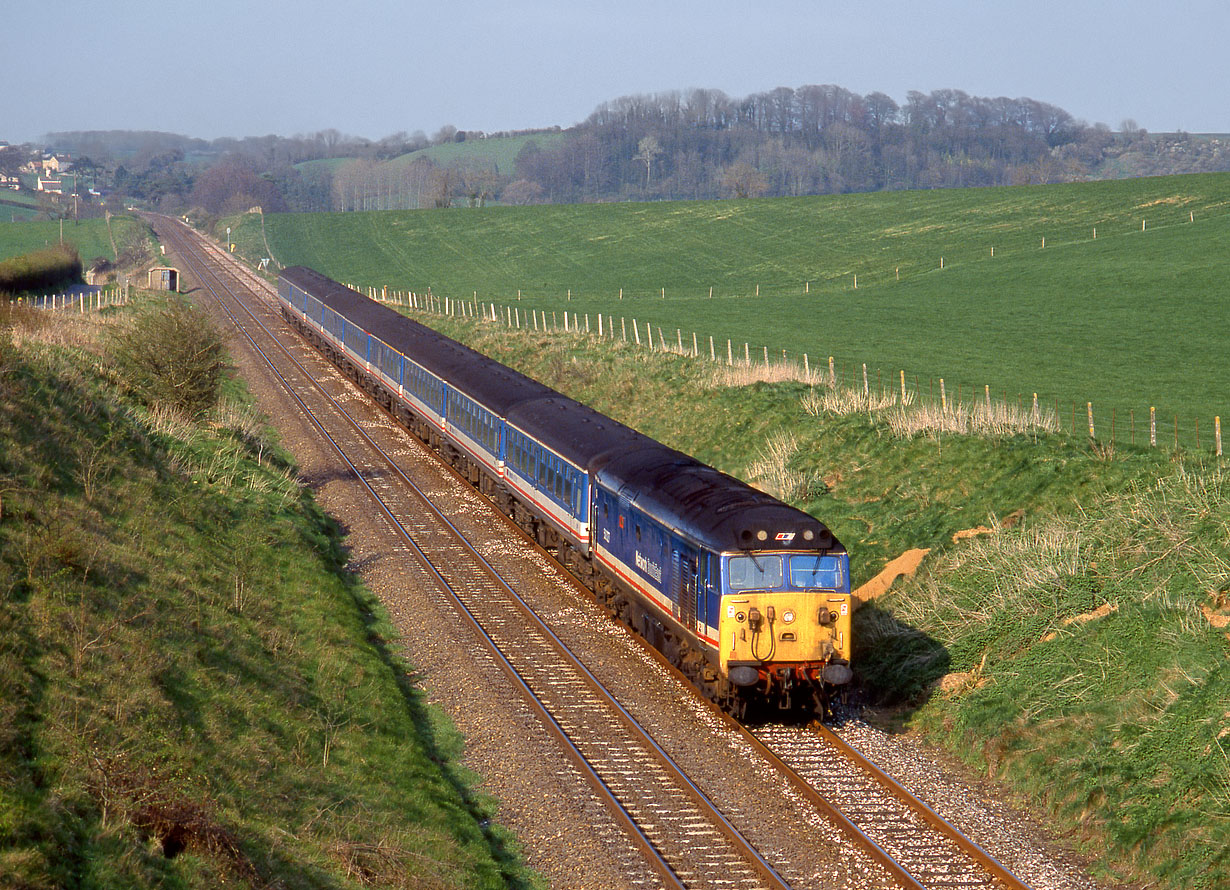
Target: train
<point>747,596</point>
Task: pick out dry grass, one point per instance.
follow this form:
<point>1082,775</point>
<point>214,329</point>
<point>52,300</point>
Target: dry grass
<point>771,472</point>
<point>906,416</point>
<point>41,327</point>
<point>745,375</point>
<point>978,419</point>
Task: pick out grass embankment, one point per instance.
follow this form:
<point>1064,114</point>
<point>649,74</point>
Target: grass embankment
<point>193,691</point>
<point>1128,320</point>
<point>1077,652</point>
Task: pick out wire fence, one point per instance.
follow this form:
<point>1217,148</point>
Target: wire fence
<point>953,405</point>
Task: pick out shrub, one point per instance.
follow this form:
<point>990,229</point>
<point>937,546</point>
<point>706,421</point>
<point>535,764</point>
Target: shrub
<point>50,267</point>
<point>170,356</point>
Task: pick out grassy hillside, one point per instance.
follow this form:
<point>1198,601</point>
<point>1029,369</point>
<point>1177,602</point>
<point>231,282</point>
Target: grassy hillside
<point>1077,649</point>
<point>193,692</point>
<point>501,151</point>
<point>1128,320</point>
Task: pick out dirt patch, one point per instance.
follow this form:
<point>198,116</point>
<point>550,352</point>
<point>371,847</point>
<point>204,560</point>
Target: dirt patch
<point>1217,614</point>
<point>955,683</point>
<point>1100,612</point>
<point>971,533</point>
<point>1008,521</point>
<point>905,564</point>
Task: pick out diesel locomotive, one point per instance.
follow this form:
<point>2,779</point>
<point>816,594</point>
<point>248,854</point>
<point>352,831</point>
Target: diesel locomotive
<point>749,597</point>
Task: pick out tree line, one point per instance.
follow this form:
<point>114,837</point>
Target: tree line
<point>695,144</point>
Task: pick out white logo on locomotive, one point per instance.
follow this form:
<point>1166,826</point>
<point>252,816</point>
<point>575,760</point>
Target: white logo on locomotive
<point>652,569</point>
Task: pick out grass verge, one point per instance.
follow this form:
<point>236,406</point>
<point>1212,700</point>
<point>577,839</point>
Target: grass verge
<point>195,692</point>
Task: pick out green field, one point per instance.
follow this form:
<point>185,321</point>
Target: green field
<point>89,236</point>
<point>1127,320</point>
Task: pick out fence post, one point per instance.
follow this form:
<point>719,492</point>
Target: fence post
<point>747,353</point>
<point>1152,426</point>
<point>1035,413</point>
<point>712,355</point>
<point>903,387</point>
<point>766,356</point>
<point>730,354</point>
<point>636,330</point>
<point>832,374</point>
<point>623,326</point>
<point>866,388</point>
<point>1217,434</point>
<point>806,367</point>
<point>599,324</point>
<point>943,397</point>
<point>695,350</point>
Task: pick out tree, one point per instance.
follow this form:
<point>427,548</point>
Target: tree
<point>647,149</point>
<point>522,191</point>
<point>233,185</point>
<point>742,180</point>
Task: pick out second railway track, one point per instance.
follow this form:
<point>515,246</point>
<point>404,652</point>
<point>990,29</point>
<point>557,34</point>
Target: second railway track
<point>694,827</point>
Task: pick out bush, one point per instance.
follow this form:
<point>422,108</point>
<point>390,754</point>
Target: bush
<point>170,356</point>
<point>50,267</point>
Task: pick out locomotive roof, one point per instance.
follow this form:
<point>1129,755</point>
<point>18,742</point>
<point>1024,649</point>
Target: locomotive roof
<point>718,510</point>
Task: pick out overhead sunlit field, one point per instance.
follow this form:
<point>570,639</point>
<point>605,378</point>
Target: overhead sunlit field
<point>1111,292</point>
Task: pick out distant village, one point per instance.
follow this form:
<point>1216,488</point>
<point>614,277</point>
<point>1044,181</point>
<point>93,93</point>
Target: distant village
<point>45,181</point>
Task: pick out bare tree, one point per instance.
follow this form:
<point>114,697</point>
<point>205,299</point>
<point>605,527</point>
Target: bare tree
<point>647,150</point>
<point>742,180</point>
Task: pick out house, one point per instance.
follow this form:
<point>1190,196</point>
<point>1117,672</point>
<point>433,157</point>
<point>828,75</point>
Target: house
<point>51,186</point>
<point>55,164</point>
<point>9,182</point>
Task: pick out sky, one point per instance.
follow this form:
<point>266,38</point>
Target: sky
<point>370,68</point>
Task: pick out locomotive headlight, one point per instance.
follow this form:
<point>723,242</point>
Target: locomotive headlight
<point>787,616</point>
<point>762,535</point>
<point>808,534</point>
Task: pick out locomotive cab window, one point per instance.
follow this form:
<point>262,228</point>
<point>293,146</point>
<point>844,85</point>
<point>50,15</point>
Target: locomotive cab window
<point>815,570</point>
<point>755,572</point>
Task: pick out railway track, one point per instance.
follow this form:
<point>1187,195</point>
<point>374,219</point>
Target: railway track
<point>683,837</point>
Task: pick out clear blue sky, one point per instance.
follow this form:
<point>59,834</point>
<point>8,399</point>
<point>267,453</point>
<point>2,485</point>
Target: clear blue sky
<point>369,68</point>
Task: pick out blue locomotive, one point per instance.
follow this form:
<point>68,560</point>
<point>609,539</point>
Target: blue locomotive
<point>749,597</point>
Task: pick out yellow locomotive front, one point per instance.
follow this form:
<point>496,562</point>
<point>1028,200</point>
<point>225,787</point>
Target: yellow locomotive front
<point>784,630</point>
